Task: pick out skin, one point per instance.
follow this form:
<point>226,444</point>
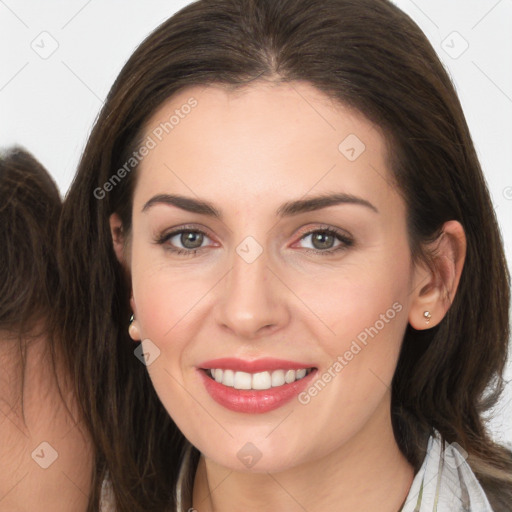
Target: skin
<point>248,153</point>
<point>26,485</point>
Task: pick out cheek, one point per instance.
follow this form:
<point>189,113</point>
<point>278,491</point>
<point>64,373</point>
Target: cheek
<point>163,293</point>
<point>360,320</point>
<point>367,317</point>
<point>357,299</point>
<point>166,302</point>
<point>369,309</point>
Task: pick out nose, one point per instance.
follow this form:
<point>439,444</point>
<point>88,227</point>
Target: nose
<point>252,299</point>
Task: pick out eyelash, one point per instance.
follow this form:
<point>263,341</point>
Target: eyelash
<point>346,240</point>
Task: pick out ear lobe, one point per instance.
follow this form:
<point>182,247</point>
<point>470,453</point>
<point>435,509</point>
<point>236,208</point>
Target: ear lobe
<point>116,230</point>
<point>133,330</point>
<point>436,287</point>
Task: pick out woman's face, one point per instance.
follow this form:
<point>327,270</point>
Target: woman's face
<point>260,289</point>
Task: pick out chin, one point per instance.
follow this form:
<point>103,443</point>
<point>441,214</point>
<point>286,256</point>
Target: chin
<point>256,456</point>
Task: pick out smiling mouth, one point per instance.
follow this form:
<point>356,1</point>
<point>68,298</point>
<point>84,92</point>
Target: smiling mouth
<point>256,381</point>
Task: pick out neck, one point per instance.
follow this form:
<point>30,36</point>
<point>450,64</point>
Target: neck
<point>367,473</point>
<point>32,411</point>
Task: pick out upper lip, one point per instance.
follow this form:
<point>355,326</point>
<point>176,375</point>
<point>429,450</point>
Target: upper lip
<point>254,366</point>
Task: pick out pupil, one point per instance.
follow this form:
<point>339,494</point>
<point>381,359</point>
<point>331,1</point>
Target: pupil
<point>320,237</point>
<point>189,237</point>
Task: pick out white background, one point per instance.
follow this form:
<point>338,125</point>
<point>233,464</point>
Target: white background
<point>48,105</point>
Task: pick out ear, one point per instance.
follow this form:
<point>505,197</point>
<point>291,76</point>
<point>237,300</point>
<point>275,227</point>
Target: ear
<point>116,230</point>
<point>435,288</point>
<point>134,329</point>
<point>119,243</point>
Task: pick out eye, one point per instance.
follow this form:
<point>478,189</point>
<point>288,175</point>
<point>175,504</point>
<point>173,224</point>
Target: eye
<point>190,239</point>
<point>323,240</point>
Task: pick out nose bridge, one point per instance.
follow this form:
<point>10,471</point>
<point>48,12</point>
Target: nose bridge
<point>250,298</point>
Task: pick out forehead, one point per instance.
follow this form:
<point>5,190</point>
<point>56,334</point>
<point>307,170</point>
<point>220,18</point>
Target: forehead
<point>264,141</point>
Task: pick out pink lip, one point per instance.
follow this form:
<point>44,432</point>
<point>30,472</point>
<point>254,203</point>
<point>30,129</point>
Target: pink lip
<point>258,365</point>
<point>249,400</point>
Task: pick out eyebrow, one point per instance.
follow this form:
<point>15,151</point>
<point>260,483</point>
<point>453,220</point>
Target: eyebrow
<point>287,209</point>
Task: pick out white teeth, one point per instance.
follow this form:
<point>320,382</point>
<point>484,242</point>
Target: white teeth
<point>300,373</point>
<point>277,378</point>
<point>243,380</point>
<point>289,376</point>
<point>259,380</point>
<point>228,379</point>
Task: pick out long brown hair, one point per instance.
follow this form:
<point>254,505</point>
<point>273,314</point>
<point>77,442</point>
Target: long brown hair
<point>30,206</point>
<point>366,54</point>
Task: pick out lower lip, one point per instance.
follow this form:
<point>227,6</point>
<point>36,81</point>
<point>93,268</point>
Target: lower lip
<point>254,401</point>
